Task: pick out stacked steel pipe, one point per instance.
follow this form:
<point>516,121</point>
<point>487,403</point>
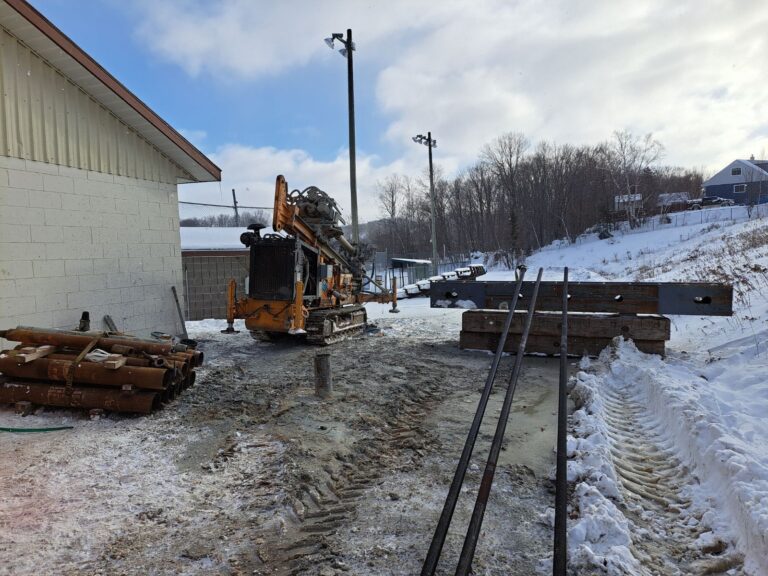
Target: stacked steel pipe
<point>52,368</point>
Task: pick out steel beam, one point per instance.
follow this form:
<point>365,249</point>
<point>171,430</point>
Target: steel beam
<point>670,298</point>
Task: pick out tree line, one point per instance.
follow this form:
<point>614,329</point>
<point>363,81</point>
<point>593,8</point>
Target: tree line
<point>243,219</point>
<point>517,197</point>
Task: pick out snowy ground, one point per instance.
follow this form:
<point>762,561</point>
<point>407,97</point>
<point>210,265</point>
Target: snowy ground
<point>704,409</point>
<point>248,473</point>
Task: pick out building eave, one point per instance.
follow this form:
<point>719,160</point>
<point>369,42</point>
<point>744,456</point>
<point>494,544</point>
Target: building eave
<point>36,31</point>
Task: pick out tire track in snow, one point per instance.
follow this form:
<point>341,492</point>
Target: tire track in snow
<point>668,537</point>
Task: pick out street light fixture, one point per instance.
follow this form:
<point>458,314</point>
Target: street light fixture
<point>346,52</point>
<point>429,143</point>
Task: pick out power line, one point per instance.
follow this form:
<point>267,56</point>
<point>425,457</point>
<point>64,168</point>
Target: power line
<point>228,206</point>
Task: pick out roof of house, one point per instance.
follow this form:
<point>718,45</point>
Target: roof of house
<point>757,170</point>
<point>37,32</point>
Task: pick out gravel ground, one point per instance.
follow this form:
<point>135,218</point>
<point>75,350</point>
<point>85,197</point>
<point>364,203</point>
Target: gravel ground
<point>248,472</point>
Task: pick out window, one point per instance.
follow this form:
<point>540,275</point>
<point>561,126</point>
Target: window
<point>739,188</point>
<point>735,171</point>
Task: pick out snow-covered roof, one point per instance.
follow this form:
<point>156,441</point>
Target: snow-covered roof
<point>201,238</point>
<point>411,260</point>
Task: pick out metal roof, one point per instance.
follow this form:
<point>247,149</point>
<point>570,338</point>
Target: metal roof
<point>51,44</point>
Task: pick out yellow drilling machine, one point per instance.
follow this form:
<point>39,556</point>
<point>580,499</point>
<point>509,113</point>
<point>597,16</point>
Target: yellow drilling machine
<point>304,278</point>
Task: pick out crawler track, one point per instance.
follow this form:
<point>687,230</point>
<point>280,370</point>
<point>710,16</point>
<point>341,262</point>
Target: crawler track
<point>329,326</point>
<point>655,485</point>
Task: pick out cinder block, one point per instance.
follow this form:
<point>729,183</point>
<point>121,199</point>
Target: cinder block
<point>40,319</point>
<point>92,281</point>
<point>77,202</point>
<point>13,233</point>
<point>48,268</point>
<point>127,206</point>
<point>12,196</point>
<point>17,305</point>
<point>42,199</point>
<point>13,163</point>
<point>21,215</point>
<point>13,251</point>
<point>114,250</point>
<point>50,302</point>
<point>58,184</point>
<point>8,288</point>
<point>107,266</point>
<point>15,269</point>
<point>138,250</point>
<point>77,234</point>
<point>24,179</point>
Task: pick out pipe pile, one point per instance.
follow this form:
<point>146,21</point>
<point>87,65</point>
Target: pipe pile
<point>94,370</point>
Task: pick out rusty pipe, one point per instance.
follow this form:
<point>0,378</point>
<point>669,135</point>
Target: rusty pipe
<point>183,367</point>
<point>40,336</point>
<point>79,397</point>
<point>88,373</point>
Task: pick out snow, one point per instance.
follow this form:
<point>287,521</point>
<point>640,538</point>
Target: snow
<point>710,394</point>
<point>213,238</point>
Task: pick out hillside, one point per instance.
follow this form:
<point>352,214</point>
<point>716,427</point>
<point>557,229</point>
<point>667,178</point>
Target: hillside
<point>699,416</point>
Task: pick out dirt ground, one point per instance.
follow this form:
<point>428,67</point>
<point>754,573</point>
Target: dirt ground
<point>248,472</point>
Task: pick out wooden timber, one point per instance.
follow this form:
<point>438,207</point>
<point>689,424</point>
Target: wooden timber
<point>587,333</point>
<point>577,345</point>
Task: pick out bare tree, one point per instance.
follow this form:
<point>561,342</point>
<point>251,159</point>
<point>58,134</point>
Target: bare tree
<point>626,157</point>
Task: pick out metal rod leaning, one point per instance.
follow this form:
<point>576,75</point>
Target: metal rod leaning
<point>475,523</point>
<point>559,563</point>
<point>436,546</point>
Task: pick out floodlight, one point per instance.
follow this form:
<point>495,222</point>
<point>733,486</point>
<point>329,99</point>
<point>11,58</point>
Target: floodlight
<point>343,52</point>
<point>329,41</point>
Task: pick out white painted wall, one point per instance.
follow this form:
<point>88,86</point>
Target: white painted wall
<point>74,240</point>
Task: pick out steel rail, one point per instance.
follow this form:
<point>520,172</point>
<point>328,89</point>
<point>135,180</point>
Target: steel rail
<point>436,546</point>
<point>475,523</point>
<point>559,563</point>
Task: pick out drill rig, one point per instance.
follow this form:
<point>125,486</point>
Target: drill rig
<point>304,278</point>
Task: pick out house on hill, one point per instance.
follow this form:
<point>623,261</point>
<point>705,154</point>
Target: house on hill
<point>89,215</point>
<point>743,181</point>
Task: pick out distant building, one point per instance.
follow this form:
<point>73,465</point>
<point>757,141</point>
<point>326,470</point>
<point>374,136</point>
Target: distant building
<point>629,202</point>
<point>743,181</point>
<point>210,257</point>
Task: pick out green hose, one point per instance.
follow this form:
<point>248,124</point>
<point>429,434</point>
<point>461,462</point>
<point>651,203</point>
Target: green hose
<point>28,430</point>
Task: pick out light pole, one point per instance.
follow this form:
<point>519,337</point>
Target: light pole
<point>347,51</point>
<point>429,143</point>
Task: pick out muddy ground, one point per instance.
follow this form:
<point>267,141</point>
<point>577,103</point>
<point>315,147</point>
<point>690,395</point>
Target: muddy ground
<point>249,472</point>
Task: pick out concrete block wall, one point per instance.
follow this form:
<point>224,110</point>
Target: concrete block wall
<point>206,276</point>
<point>74,240</point>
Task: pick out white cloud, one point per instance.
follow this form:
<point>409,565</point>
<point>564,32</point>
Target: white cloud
<point>566,70</point>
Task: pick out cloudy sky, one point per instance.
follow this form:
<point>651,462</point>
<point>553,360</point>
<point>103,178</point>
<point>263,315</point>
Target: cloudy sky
<point>253,85</point>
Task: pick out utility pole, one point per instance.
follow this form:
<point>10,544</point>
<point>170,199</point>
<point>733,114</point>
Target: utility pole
<point>429,143</point>
<point>347,51</point>
<point>234,205</point>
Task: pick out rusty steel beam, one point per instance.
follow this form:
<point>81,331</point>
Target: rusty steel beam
<point>88,373</point>
<point>672,298</point>
<point>47,394</point>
